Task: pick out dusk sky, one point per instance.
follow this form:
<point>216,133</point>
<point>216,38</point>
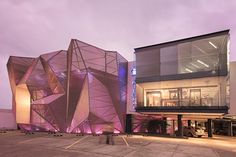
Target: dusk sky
<point>30,28</point>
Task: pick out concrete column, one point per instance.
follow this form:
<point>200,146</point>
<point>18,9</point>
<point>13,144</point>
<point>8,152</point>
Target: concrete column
<point>128,128</point>
<point>230,128</point>
<point>164,126</point>
<point>189,122</point>
<point>180,126</point>
<point>173,125</point>
<point>209,128</point>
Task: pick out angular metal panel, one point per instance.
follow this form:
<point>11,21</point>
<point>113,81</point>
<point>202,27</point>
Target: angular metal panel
<point>82,108</point>
<point>79,90</point>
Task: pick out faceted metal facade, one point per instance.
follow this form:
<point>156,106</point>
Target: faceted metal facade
<point>77,91</point>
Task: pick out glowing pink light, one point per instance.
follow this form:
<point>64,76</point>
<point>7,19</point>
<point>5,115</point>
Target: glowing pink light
<point>116,131</point>
<point>98,132</point>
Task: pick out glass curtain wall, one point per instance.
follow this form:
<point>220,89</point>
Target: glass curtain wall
<point>208,54</point>
<point>203,60</point>
<point>209,91</point>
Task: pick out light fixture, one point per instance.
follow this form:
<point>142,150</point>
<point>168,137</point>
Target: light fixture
<point>201,50</point>
<point>196,66</point>
<point>188,70</point>
<point>116,131</point>
<point>201,62</point>
<point>213,45</point>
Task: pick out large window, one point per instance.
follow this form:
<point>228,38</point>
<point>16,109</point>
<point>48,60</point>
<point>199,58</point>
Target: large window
<point>188,72</point>
<point>207,55</point>
<point>209,91</point>
<point>190,96</point>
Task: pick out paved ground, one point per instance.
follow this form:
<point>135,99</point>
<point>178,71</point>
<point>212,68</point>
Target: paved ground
<point>16,144</point>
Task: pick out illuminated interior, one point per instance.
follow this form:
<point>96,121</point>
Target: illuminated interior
<point>22,104</point>
<point>208,91</point>
<point>190,72</point>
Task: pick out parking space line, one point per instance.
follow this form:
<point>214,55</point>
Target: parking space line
<point>25,141</point>
<point>125,141</point>
<point>76,142</point>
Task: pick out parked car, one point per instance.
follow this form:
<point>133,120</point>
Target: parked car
<point>190,131</point>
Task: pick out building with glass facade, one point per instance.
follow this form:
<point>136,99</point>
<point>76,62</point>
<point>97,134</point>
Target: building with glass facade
<point>183,80</point>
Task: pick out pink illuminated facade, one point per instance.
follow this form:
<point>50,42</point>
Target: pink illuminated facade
<point>76,91</point>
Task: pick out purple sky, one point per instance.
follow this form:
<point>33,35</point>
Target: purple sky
<point>30,28</point>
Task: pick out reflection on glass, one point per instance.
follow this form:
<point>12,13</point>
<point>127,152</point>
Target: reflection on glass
<point>207,54</point>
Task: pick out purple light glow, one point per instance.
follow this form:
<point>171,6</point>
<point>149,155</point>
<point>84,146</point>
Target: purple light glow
<point>86,98</point>
<point>116,131</point>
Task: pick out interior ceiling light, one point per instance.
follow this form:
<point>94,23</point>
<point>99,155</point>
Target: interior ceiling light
<point>201,50</point>
<point>188,70</point>
<point>213,45</point>
<point>201,62</point>
<point>196,66</point>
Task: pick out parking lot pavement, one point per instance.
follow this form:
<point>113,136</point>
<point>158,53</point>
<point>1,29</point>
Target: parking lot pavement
<point>17,144</point>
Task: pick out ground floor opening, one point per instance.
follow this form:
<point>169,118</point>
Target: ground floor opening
<point>180,125</point>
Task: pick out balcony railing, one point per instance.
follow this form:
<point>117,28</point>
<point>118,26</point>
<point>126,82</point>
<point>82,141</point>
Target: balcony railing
<point>187,109</point>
